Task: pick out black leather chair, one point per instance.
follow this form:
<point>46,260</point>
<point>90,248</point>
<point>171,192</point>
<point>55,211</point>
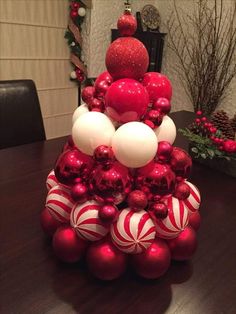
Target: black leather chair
<point>20,115</point>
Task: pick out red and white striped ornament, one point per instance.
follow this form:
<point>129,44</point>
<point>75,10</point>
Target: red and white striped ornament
<point>175,222</point>
<point>51,180</point>
<point>194,200</point>
<point>133,232</point>
<point>59,203</point>
<point>85,220</point>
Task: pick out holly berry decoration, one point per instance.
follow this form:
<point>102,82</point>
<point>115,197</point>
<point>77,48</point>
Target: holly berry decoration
<point>119,195</point>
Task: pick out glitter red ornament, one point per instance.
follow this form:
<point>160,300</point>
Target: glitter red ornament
<point>184,246</point>
<point>127,57</point>
<point>48,223</point>
<point>105,261</point>
<point>127,24</point>
<point>73,166</point>
<point>137,200</point>
<point>154,261</point>
<point>67,245</point>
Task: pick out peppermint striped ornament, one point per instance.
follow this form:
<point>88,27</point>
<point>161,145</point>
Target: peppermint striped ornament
<point>133,232</point>
<point>51,180</point>
<point>175,222</point>
<point>194,200</point>
<point>84,219</point>
<point>59,203</point>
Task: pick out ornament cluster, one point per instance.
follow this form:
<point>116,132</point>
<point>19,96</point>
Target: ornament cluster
<point>119,193</point>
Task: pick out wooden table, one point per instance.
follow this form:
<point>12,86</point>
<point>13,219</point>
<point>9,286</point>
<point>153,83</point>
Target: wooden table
<point>34,281</point>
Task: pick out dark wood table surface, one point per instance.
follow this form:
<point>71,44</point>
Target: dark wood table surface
<point>34,281</point>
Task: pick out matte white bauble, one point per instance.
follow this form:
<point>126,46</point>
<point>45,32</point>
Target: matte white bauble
<point>134,144</point>
<point>73,75</point>
<point>81,12</point>
<point>79,111</point>
<point>166,131</point>
<point>91,130</point>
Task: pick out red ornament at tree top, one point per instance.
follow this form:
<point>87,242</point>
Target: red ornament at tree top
<point>127,24</point>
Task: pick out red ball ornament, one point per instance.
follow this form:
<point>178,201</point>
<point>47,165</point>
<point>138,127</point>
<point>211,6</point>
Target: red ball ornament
<point>73,166</point>
<point>180,162</point>
<point>105,261</point>
<point>127,57</point>
<point>154,261</point>
<point>101,89</point>
<point>182,191</point>
<point>155,116</point>
<point>69,144</point>
<point>229,146</point>
<point>108,214</point>
<point>104,154</point>
<point>127,24</point>
<point>195,220</point>
<point>75,5</point>
<point>112,184</point>
<point>184,246</point>
<point>164,151</point>
<point>157,85</point>
<point>67,246</point>
<point>79,192</point>
<point>163,105</point>
<point>137,200</point>
<point>95,103</point>
<point>160,210</point>
<point>158,178</point>
<point>73,14</point>
<point>103,77</point>
<point>88,93</point>
<point>48,223</point>
<point>126,100</point>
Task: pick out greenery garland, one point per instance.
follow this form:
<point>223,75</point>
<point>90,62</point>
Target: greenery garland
<point>74,39</point>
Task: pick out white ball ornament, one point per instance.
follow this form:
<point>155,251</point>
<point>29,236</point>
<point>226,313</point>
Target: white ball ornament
<point>134,144</point>
<point>91,130</point>
<point>133,232</point>
<point>166,131</point>
<point>73,75</point>
<point>81,12</point>
<point>79,111</point>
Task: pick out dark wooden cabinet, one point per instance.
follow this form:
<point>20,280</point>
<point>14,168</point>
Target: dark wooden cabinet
<point>154,43</point>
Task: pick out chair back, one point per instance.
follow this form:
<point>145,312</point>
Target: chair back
<point>20,115</point>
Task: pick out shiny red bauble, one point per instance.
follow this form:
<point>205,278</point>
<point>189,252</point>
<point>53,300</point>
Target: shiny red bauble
<point>79,192</point>
<point>154,261</point>
<point>195,220</point>
<point>103,77</point>
<point>158,178</point>
<point>155,116</point>
<point>88,93</point>
<point>105,261</point>
<point>157,85</point>
<point>101,89</point>
<point>137,200</point>
<point>108,214</point>
<point>72,166</point>
<point>69,144</point>
<point>127,24</point>
<point>184,246</point>
<point>96,104</point>
<point>164,151</point>
<point>73,14</point>
<point>48,223</point>
<point>182,191</point>
<point>127,57</point>
<point>67,246</point>
<point>159,210</point>
<point>229,146</point>
<point>181,162</point>
<point>163,105</point>
<point>110,185</point>
<point>104,154</point>
<point>126,100</point>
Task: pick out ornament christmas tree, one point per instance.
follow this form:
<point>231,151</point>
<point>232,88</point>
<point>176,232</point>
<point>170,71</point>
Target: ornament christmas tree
<point>119,189</point>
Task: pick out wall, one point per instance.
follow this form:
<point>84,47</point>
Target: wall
<point>33,46</point>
